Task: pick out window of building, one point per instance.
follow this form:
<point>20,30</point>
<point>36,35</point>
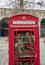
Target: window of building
<point>4,27</point>
<point>42,27</point>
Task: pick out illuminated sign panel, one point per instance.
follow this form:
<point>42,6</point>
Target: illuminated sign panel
<point>24,22</point>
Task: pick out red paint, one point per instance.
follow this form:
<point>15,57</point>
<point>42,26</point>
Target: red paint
<point>23,27</point>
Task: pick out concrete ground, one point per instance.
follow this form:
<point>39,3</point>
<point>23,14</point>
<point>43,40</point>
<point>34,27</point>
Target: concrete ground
<point>3,51</point>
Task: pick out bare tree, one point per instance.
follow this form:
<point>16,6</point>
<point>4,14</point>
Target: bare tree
<point>23,4</point>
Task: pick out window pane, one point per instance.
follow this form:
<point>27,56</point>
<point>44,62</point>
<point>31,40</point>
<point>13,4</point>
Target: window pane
<point>42,28</point>
<point>4,32</point>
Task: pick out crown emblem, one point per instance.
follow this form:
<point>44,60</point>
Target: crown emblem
<point>24,17</point>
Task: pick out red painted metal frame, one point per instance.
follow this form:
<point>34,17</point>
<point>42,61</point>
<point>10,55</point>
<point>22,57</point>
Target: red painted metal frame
<point>12,28</point>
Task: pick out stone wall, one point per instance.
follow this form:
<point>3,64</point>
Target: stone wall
<point>6,12</point>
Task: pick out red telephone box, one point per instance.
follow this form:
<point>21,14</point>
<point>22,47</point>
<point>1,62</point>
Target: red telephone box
<point>24,40</point>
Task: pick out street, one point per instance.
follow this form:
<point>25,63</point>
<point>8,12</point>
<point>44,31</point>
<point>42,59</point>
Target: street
<point>3,51</point>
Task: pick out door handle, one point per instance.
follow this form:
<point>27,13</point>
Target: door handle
<point>35,55</point>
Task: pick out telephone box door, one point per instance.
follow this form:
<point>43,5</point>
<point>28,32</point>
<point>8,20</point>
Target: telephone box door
<point>24,48</point>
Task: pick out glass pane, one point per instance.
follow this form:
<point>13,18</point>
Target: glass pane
<point>32,37</point>
<point>26,63</point>
<point>24,37</point>
<point>4,32</point>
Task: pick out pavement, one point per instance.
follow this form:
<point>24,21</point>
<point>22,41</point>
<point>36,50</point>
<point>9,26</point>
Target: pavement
<point>3,51</point>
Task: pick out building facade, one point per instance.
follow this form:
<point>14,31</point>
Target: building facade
<point>5,13</point>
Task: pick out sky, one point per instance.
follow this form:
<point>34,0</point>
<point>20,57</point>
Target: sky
<point>3,4</point>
